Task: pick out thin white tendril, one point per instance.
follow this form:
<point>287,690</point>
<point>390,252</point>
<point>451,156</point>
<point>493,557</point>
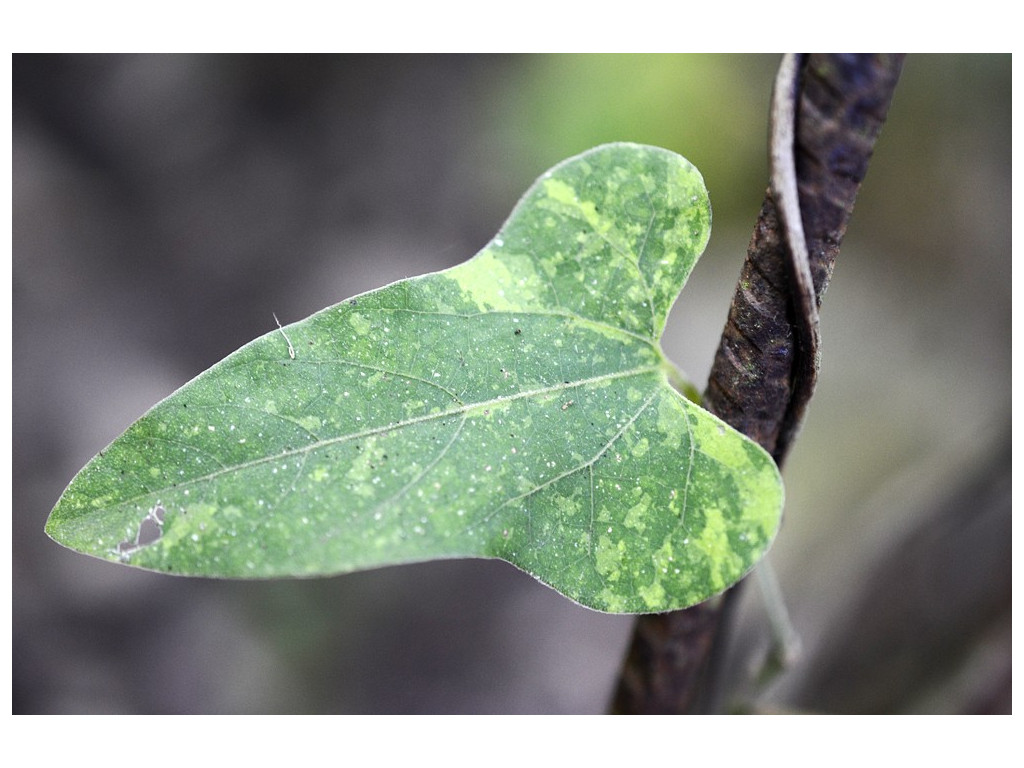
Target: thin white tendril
<point>291,349</point>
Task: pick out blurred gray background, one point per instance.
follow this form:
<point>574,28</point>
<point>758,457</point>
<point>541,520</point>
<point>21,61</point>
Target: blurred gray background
<point>166,206</point>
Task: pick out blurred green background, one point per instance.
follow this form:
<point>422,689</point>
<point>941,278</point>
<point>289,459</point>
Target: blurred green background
<point>166,206</point>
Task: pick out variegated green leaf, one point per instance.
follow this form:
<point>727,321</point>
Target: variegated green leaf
<point>517,406</point>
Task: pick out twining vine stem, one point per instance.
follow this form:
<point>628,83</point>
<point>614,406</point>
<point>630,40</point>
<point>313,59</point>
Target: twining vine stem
<point>827,111</point>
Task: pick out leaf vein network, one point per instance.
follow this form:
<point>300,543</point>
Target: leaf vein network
<point>587,464</point>
<point>462,409</point>
<point>423,472</point>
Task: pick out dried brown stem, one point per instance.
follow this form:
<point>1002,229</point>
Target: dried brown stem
<point>842,104</point>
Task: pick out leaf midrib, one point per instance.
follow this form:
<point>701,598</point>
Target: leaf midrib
<point>461,410</point>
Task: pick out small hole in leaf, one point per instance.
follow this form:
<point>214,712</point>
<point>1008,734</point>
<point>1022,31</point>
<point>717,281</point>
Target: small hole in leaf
<point>150,530</point>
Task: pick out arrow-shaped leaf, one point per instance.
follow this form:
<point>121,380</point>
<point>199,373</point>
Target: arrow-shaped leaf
<point>517,406</point>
